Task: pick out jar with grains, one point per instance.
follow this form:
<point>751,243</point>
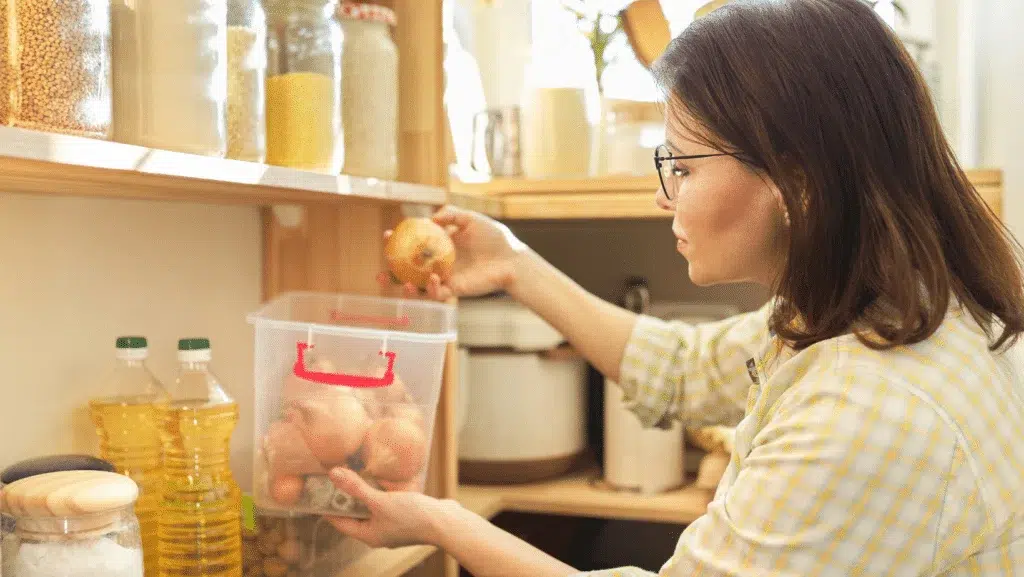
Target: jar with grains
<point>369,108</point>
<point>304,128</point>
<point>170,74</point>
<point>55,73</point>
<point>247,69</point>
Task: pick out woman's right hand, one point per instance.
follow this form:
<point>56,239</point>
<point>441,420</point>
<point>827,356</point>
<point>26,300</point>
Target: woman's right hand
<point>486,257</point>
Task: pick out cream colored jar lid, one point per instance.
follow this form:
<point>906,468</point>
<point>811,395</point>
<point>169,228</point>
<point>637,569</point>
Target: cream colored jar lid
<point>68,494</point>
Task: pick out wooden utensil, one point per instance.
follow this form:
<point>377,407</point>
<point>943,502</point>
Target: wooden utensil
<point>647,30</point>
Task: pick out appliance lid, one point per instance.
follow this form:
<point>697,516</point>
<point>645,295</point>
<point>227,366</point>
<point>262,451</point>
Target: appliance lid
<point>501,322</point>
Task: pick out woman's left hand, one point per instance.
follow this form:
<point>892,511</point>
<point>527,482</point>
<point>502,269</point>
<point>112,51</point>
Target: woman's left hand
<point>397,518</point>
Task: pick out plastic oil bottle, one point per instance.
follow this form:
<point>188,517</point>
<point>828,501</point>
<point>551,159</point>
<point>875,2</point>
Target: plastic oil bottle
<point>126,413</point>
<point>200,513</point>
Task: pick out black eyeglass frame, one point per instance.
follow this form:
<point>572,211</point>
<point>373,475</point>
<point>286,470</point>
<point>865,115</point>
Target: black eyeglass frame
<point>658,159</point>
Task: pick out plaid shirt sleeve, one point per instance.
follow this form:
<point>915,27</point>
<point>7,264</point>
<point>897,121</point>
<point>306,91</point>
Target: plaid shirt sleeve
<point>834,483</point>
<point>696,373</point>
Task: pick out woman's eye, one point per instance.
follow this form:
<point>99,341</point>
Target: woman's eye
<point>679,171</point>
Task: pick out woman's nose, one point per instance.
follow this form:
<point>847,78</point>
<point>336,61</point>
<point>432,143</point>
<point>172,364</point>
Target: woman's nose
<point>663,202</point>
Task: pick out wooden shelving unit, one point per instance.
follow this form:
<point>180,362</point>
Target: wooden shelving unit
<point>55,164</point>
<point>581,494</point>
<point>608,197</point>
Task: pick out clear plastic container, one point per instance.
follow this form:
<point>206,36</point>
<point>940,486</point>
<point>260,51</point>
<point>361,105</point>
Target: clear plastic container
<point>170,74</point>
<point>344,381</point>
<point>247,69</point>
<point>281,543</point>
<point>304,128</point>
<point>58,74</point>
<point>369,107</point>
<point>200,514</point>
<point>71,523</point>
<point>126,412</point>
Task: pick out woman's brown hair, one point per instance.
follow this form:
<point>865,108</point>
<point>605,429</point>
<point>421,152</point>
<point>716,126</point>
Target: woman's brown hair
<point>821,97</point>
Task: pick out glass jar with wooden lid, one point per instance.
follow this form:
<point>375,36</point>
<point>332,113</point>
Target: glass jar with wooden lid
<point>79,522</point>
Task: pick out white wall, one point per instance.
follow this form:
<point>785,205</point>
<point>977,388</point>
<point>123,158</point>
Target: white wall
<point>79,272</point>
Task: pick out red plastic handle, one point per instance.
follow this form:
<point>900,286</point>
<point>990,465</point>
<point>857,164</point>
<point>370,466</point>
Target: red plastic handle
<point>339,317</point>
<point>339,379</point>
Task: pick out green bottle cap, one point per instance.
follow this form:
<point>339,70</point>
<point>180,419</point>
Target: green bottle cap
<point>131,342</point>
<point>193,344</point>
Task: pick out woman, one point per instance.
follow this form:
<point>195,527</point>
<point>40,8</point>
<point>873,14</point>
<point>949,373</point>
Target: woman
<point>879,422</point>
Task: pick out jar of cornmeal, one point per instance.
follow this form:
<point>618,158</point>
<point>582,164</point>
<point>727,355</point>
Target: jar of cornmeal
<point>304,128</point>
<point>369,108</point>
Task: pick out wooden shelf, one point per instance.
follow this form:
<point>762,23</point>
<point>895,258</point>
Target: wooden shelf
<point>35,162</point>
<point>577,494</point>
<point>608,197</point>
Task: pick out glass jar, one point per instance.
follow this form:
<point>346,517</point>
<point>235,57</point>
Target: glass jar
<point>61,522</point>
<point>632,130</point>
<point>247,69</point>
<point>304,128</point>
<point>170,74</point>
<point>58,76</point>
<point>369,108</point>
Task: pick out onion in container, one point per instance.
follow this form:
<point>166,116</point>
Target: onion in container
<point>395,450</point>
<point>287,453</point>
<point>333,426</point>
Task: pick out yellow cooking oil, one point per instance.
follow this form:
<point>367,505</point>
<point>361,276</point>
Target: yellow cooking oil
<point>200,512</point>
<point>126,415</point>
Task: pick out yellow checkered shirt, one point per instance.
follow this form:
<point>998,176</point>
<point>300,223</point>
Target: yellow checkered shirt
<point>848,461</point>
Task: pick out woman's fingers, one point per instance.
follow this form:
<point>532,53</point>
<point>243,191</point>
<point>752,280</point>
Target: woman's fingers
<point>452,216</point>
<point>349,482</point>
<point>358,529</point>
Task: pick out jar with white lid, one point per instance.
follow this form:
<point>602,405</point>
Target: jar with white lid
<point>369,104</point>
<point>170,74</point>
<point>65,523</point>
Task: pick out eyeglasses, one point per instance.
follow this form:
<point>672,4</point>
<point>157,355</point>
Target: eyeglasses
<point>667,172</point>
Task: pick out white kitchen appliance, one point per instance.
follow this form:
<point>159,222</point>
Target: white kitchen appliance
<point>523,394</point>
<point>650,460</point>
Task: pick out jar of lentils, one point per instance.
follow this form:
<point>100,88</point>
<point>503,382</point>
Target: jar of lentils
<point>55,74</point>
<point>369,104</point>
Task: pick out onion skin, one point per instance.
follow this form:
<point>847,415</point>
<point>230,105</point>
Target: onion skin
<point>334,426</point>
<point>395,450</point>
<point>287,453</point>
<point>417,248</point>
<point>287,490</point>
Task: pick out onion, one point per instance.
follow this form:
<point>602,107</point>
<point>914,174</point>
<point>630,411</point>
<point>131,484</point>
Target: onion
<point>333,426</point>
<point>287,453</point>
<point>417,248</point>
<point>395,450</point>
<point>411,413</point>
<point>287,489</point>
